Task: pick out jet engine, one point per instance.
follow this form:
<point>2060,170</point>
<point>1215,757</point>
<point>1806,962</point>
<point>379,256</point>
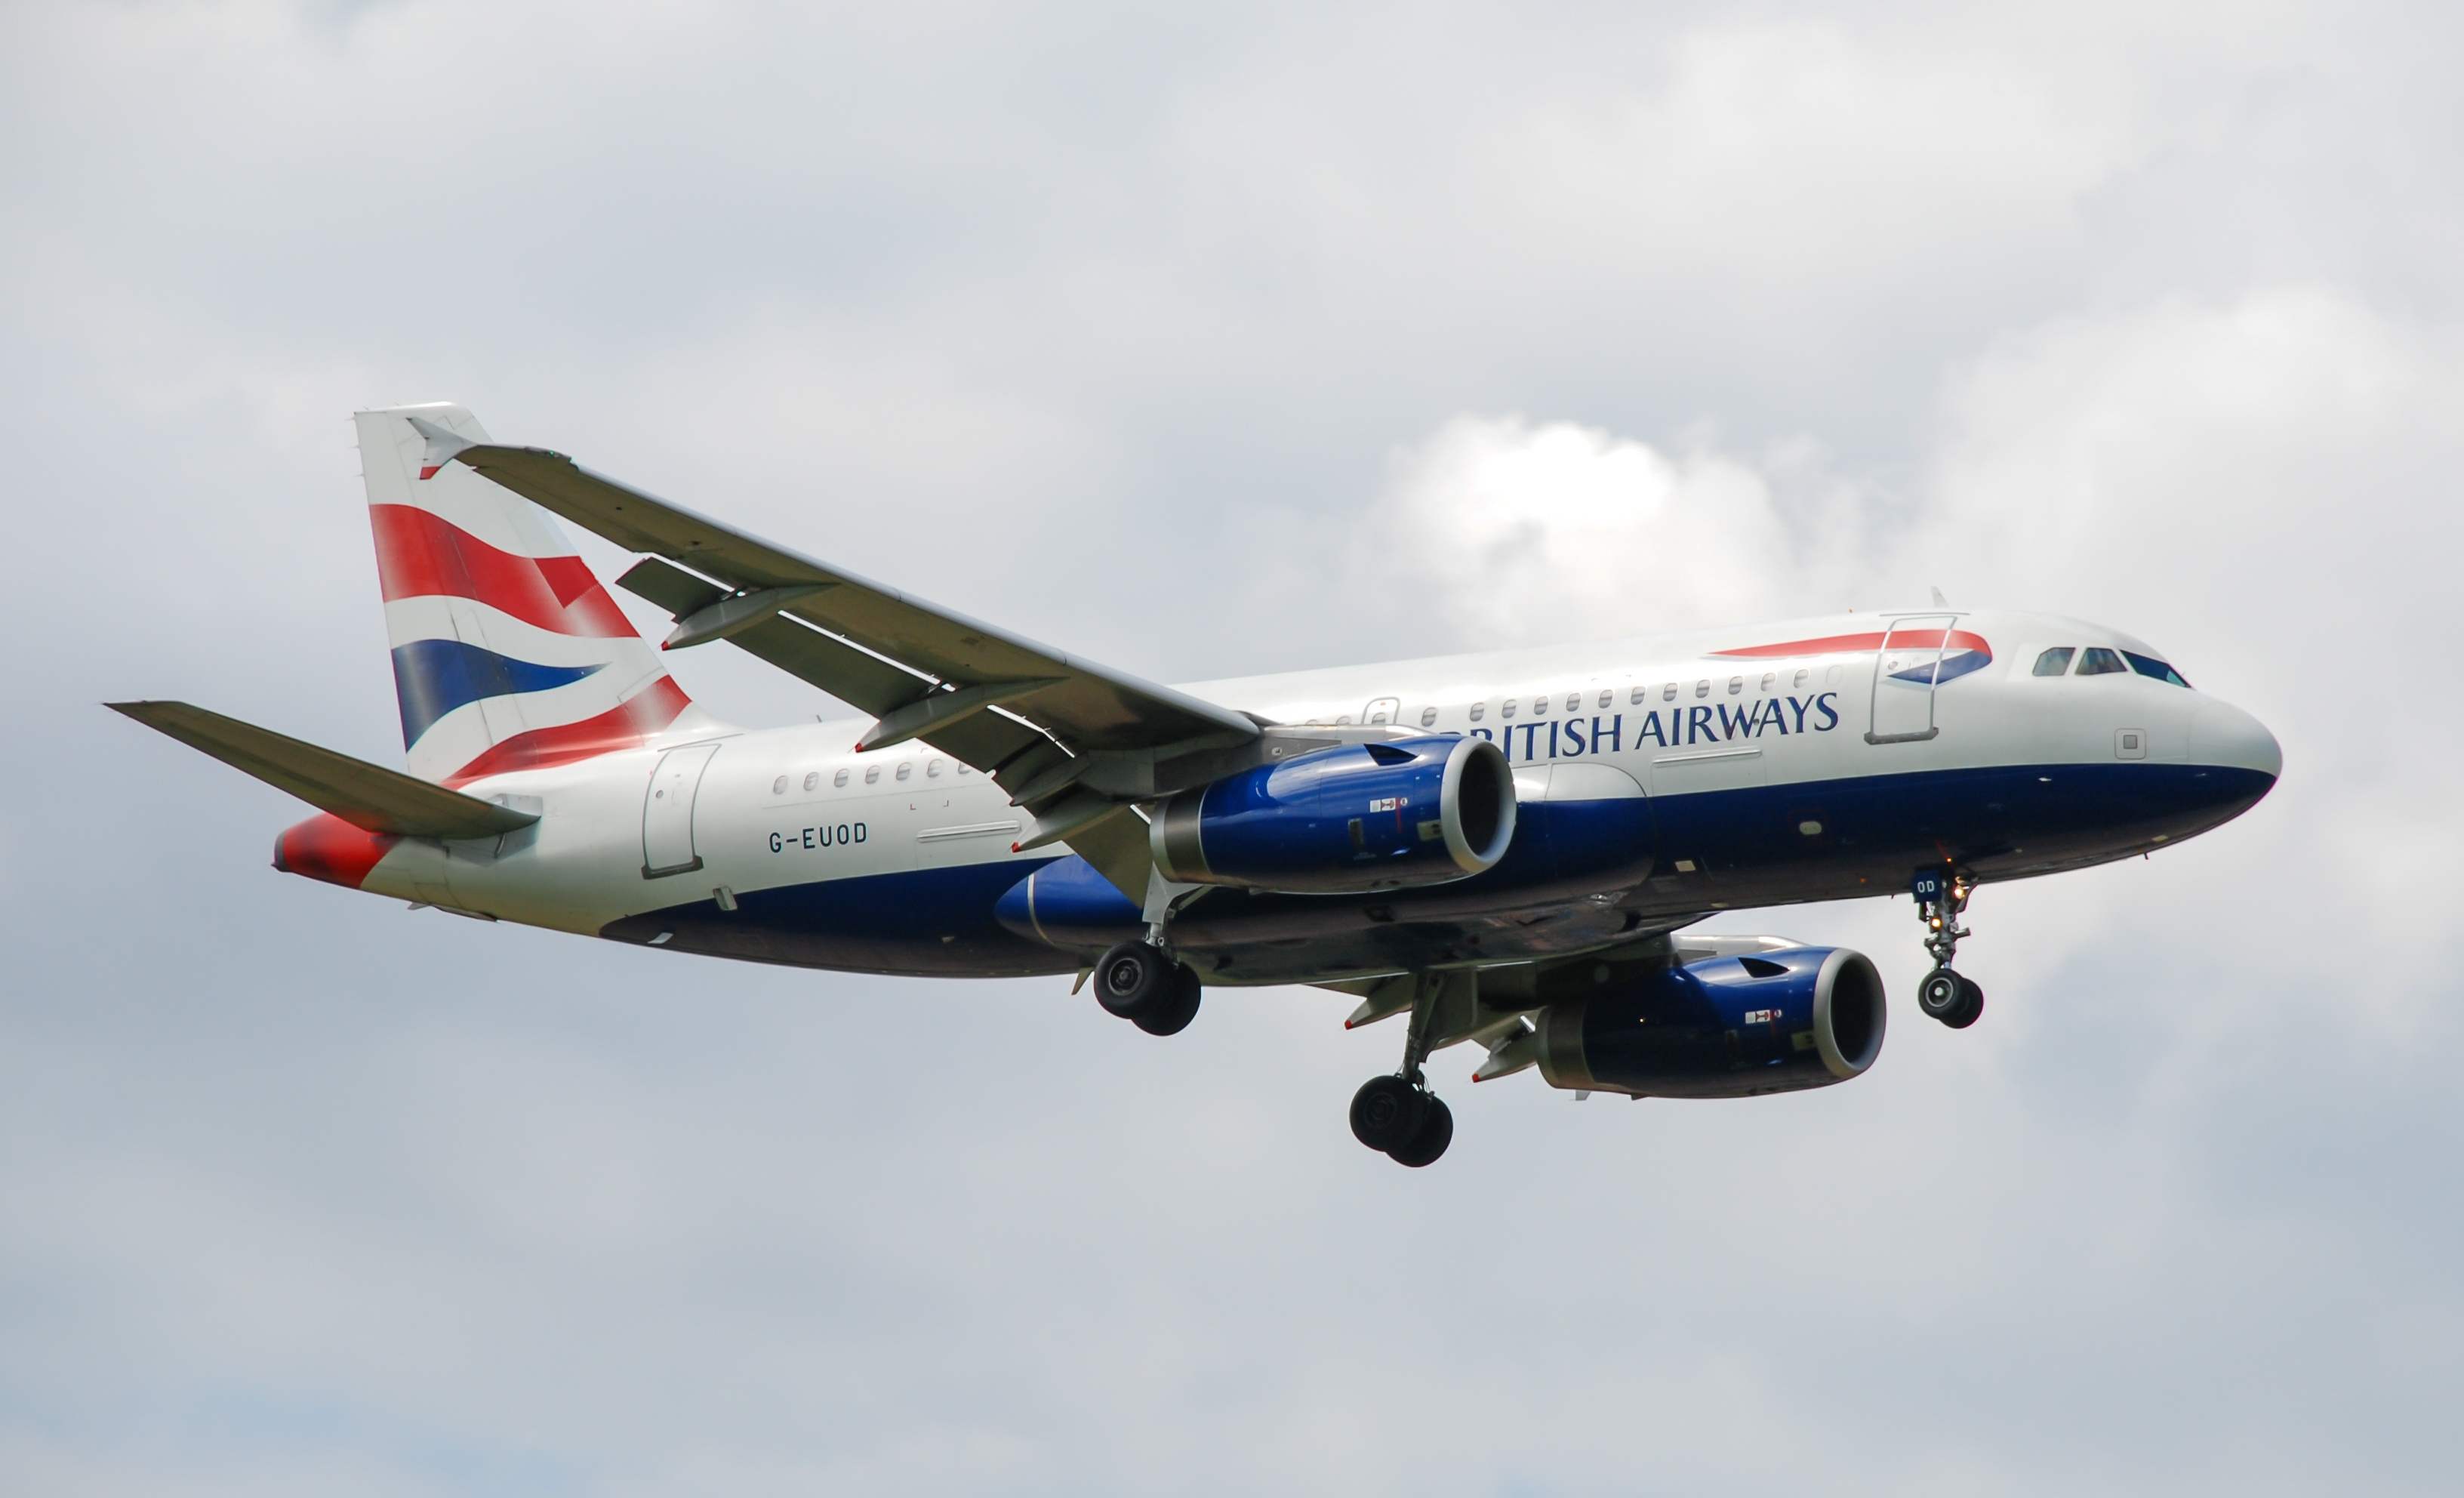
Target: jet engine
<point>1732,1027</point>
<point>1345,821</point>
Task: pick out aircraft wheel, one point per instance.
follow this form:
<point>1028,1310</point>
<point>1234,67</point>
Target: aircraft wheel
<point>1939,996</point>
<point>1172,1015</point>
<point>1437,1131</point>
<point>1134,979</point>
<point>1387,1111</point>
<point>1972,1005</point>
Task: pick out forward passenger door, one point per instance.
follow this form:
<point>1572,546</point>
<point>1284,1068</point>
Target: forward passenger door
<point>1908,668</point>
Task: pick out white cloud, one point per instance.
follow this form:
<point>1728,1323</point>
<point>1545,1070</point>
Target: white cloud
<point>1098,321</point>
<point>1508,532</point>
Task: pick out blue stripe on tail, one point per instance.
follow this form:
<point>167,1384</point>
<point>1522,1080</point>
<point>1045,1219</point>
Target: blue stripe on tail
<point>432,678</point>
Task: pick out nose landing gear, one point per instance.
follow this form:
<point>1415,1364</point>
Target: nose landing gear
<point>1941,896</point>
<point>1398,1114</point>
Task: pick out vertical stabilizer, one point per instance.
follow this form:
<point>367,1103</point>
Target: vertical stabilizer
<point>508,654</point>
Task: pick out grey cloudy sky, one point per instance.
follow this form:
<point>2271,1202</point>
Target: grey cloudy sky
<point>1212,341</point>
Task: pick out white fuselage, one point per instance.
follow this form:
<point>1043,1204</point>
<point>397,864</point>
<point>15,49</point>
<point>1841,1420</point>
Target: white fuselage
<point>1671,716</point>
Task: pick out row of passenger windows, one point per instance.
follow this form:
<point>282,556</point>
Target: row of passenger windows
<point>933,769</point>
<point>1638,696</point>
<point>2096,660</point>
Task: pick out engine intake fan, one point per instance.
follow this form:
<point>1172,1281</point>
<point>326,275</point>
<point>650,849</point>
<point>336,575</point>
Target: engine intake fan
<point>1732,1027</point>
<point>1345,821</point>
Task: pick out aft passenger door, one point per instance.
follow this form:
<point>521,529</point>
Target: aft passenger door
<point>1908,668</point>
<point>667,812</point>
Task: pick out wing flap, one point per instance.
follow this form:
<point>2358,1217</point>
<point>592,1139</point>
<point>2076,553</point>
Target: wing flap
<point>367,796</point>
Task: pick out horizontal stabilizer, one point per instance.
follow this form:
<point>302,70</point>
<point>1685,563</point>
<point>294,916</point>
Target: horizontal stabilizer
<point>367,796</point>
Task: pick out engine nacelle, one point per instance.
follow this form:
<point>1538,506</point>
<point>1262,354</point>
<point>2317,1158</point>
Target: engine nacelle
<point>1345,821</point>
<point>1066,904</point>
<point>1734,1026</point>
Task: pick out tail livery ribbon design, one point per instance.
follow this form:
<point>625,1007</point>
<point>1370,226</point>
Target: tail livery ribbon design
<point>508,653</point>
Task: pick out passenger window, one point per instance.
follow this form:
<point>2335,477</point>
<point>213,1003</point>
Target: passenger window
<point>2055,661</point>
<point>1506,708</point>
<point>905,769</point>
<point>966,769</point>
<point>1736,684</point>
<point>1769,678</point>
<point>1638,695</point>
<point>1539,707</point>
<point>1607,696</point>
<point>2100,662</point>
<point>932,770</point>
<point>1702,687</point>
<point>1575,702</point>
<point>1428,718</point>
<point>871,774</point>
<point>778,787</point>
<point>1798,685</point>
<point>2150,666</point>
<point>1668,693</point>
<point>812,779</point>
<point>1480,709</point>
<point>840,779</point>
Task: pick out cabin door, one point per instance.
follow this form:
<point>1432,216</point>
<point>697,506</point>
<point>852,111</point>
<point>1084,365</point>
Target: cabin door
<point>1906,669</point>
<point>667,812</point>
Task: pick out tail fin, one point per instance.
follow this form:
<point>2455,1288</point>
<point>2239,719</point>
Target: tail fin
<point>508,654</point>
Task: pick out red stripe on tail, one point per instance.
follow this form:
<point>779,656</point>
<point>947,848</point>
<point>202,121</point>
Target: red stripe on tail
<point>422,555</point>
<point>628,725</point>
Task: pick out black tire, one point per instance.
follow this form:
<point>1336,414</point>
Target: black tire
<point>1387,1111</point>
<point>1133,978</point>
<point>1941,995</point>
<point>1173,1016</point>
<point>1437,1131</point>
<point>1971,1006</point>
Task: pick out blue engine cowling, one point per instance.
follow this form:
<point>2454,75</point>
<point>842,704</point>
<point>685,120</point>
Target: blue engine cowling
<point>1345,821</point>
<point>1775,1022</point>
<point>1067,904</point>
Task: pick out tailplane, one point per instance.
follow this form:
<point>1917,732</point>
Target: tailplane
<point>508,653</point>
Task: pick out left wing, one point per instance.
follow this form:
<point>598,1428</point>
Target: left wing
<point>1072,741</point>
<point>367,796</point>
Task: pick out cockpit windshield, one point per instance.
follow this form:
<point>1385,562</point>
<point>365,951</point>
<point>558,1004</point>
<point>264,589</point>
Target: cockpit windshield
<point>2150,666</point>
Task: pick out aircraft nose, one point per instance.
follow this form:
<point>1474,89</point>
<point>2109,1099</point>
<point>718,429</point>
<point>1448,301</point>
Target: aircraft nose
<point>2224,735</point>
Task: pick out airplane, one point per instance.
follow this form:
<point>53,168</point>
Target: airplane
<point>1507,849</point>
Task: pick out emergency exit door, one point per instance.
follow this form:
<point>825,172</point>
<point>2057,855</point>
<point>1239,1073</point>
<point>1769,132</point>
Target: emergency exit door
<point>668,812</point>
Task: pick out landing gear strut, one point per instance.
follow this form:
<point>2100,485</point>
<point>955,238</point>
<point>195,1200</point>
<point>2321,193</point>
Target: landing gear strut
<point>1940,895</point>
<point>1398,1114</point>
<point>1141,983</point>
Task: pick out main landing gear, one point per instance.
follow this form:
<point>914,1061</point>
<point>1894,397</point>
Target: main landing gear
<point>1940,895</point>
<point>1141,983</point>
<point>1398,1114</point>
